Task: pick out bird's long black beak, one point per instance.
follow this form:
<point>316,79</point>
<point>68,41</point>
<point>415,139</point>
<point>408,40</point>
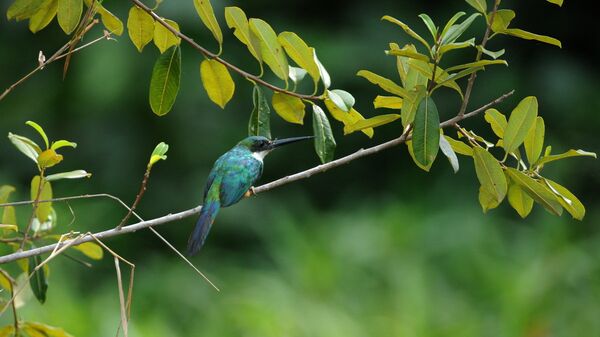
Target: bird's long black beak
<point>280,142</point>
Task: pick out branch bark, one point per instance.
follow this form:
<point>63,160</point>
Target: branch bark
<point>260,189</point>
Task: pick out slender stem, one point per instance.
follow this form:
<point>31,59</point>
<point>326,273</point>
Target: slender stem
<point>216,57</point>
<point>138,197</point>
<point>35,207</point>
<point>263,188</point>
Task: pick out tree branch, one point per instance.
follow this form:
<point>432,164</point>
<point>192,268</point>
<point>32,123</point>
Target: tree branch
<point>263,188</point>
<point>216,57</point>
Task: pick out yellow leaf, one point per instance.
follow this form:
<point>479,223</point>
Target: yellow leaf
<point>7,331</point>
<point>49,158</point>
<point>69,14</point>
<point>110,21</point>
<point>34,329</point>
<point>271,50</point>
<point>91,250</point>
<point>371,123</point>
<point>347,118</point>
<point>44,209</point>
<point>207,15</point>
<point>9,219</point>
<point>140,26</point>
<point>236,19</point>
<point>164,38</point>
<point>384,83</point>
<point>217,81</point>
<point>300,52</point>
<point>290,108</point>
<point>388,102</point>
<point>43,16</point>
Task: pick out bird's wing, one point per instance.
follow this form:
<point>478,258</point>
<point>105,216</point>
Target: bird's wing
<point>238,176</point>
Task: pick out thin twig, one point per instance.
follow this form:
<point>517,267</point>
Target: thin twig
<point>121,299</point>
<point>138,197</point>
<point>216,57</point>
<point>35,208</point>
<point>187,213</point>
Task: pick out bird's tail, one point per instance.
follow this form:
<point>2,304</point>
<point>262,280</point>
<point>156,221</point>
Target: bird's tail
<point>207,217</point>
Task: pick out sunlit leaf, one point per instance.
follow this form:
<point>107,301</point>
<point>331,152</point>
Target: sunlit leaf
<point>77,174</point>
<point>324,141</point>
<point>372,122</point>
<point>45,193</point>
<point>497,121</point>
<point>69,14</point>
<point>455,31</point>
<point>5,191</point>
<point>568,200</point>
<point>476,64</point>
<point>459,147</point>
<point>91,250</point>
<point>534,141</point>
<point>23,9</point>
<point>556,2</point>
<point>6,283</point>
<point>449,153</point>
<point>538,191</point>
<point>347,118</point>
<point>520,121</point>
<point>342,99</point>
<point>479,5</point>
<point>407,52</point>
<point>43,16</point>
<point>164,83</point>
<point>430,25</point>
<point>457,45</point>
<point>49,158</point>
<point>412,101</point>
<point>112,23</point>
<point>271,50</point>
<point>7,331</point>
<point>491,177</point>
<point>571,153</point>
<point>441,76</point>
<point>297,74</point>
<point>384,83</point>
<point>236,19</point>
<point>301,53</point>
<point>38,282</point>
<point>323,74</point>
<point>502,19</point>
<point>62,143</point>
<point>290,108</point>
<point>26,146</point>
<point>426,135</point>
<point>492,54</point>
<point>531,36</point>
<point>164,38</point>
<point>260,118</point>
<point>217,81</point>
<point>159,153</point>
<point>207,15</point>
<point>140,26</point>
<point>519,200</point>
<point>409,146</point>
<point>407,29</point>
<point>388,102</point>
<point>451,22</point>
<point>34,329</point>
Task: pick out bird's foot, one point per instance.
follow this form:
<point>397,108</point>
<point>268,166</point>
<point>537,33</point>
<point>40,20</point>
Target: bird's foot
<point>250,192</point>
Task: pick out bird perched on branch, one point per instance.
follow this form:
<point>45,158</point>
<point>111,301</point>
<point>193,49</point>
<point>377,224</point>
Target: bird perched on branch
<point>231,177</point>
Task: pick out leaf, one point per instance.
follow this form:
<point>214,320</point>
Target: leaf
<point>502,20</point>
<point>271,50</point>
<point>301,53</point>
<point>479,5</point>
<point>519,200</point>
<point>457,45</point>
<point>342,99</point>
<point>39,129</point>
<point>455,31</point>
<point>531,36</point>
<point>164,83</point>
<point>540,193</point>
<point>324,141</point>
<point>43,16</point>
<point>568,200</point>
<point>112,23</point>
<point>49,158</point>
<point>5,191</point>
<point>430,25</point>
<point>217,81</point>
<point>451,22</point>
<point>372,122</point>
<point>6,283</point>
<point>43,208</point>
<point>290,108</point>
<point>76,174</point>
<point>520,121</point>
<point>34,329</point>
<point>408,52</point>
<point>236,19</point>
<point>497,121</point>
<point>384,83</point>
<point>407,29</point>
<point>449,153</point>
<point>164,38</point>
<point>389,102</point>
<point>69,14</point>
<point>409,146</point>
<point>23,9</point>
<point>91,250</point>
<point>297,74</point>
<point>556,2</point>
<point>491,177</point>
<point>476,64</point>
<point>325,78</point>
<point>207,15</point>
<point>26,146</point>
<point>441,76</point>
<point>492,54</point>
<point>62,143</point>
<point>347,118</point>
<point>459,147</point>
<point>7,331</point>
<point>260,119</point>
<point>426,135</point>
<point>140,26</point>
<point>159,153</point>
<point>571,153</point>
<point>534,141</point>
<point>38,282</point>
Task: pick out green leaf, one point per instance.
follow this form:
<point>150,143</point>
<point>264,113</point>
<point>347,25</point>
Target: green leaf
<point>384,83</point>
<point>449,153</point>
<point>39,129</point>
<point>571,153</point>
<point>491,177</point>
<point>451,22</point>
<point>44,208</point>
<point>43,16</point>
<point>342,99</point>
<point>9,219</point>
<point>455,31</point>
<point>207,15</point>
<point>6,283</point>
<point>372,122</point>
<point>77,174</point>
<point>520,121</point>
<point>159,153</point>
<point>426,135</point>
<point>271,50</point>
<point>407,29</point>
<point>140,26</point>
<point>301,53</point>
<point>91,250</point>
<point>534,141</point>
<point>479,5</point>
<point>347,118</point>
<point>457,45</point>
<point>459,147</point>
<point>324,141</point>
<point>519,200</point>
<point>297,74</point>
<point>567,199</point>
<point>531,36</point>
<point>497,121</point>
<point>409,146</point>
<point>23,9</point>
<point>492,54</point>
<point>430,25</point>
<point>260,119</point>
<point>112,23</point>
<point>164,38</point>
<point>412,101</point>
<point>62,143</point>
<point>408,52</point>
<point>38,282</point>
<point>556,2</point>
<point>69,14</point>
<point>34,329</point>
<point>27,146</point>
<point>290,108</point>
<point>236,19</point>
<point>217,81</point>
<point>164,83</point>
<point>502,19</point>
<point>325,78</point>
<point>5,191</point>
<point>476,64</point>
<point>441,76</point>
<point>539,192</point>
<point>389,102</point>
<point>49,158</point>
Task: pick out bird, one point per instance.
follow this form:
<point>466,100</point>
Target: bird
<point>230,179</point>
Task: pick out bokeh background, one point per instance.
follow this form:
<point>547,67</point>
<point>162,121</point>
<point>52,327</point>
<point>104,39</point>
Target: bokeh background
<point>374,248</point>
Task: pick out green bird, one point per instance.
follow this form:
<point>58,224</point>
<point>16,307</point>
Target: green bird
<point>232,175</point>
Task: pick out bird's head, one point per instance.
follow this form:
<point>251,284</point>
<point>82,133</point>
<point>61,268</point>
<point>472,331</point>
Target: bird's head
<point>261,146</point>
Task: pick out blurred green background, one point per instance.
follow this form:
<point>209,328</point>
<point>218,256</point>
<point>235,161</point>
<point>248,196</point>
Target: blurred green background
<point>374,248</point>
